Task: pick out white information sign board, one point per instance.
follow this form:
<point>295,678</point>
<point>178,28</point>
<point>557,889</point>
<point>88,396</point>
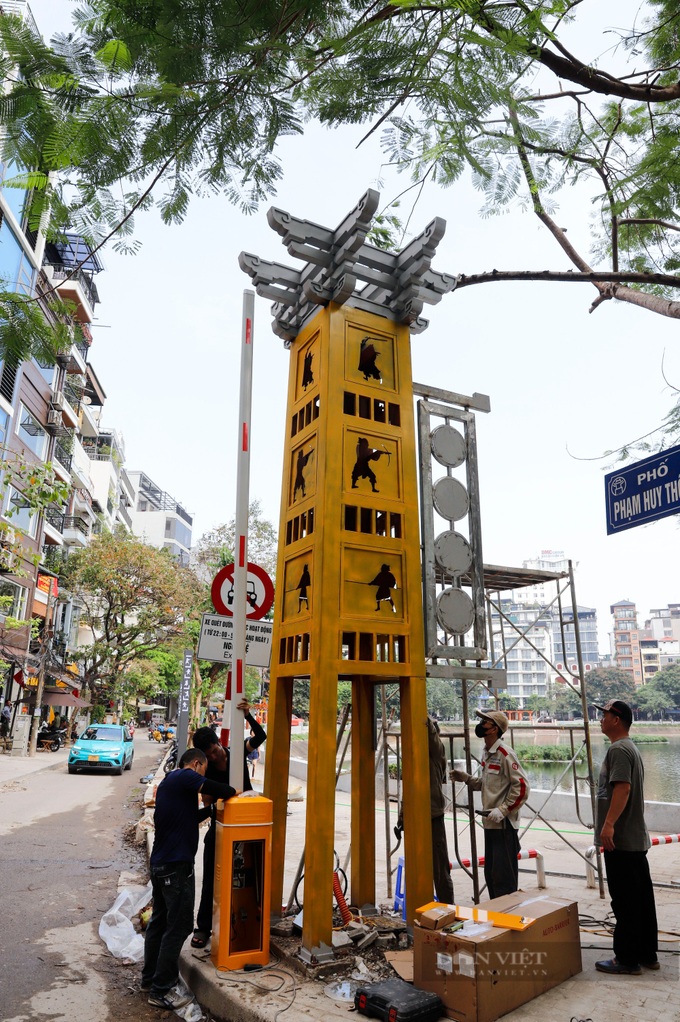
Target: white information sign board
<point>215,642</point>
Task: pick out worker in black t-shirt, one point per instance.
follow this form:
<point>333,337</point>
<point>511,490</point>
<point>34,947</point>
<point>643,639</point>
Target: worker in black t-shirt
<point>176,821</point>
<point>218,770</point>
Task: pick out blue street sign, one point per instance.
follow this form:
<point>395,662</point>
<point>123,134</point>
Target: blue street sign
<point>643,492</point>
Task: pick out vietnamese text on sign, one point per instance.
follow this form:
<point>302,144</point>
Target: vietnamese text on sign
<point>216,640</point>
<point>643,492</point>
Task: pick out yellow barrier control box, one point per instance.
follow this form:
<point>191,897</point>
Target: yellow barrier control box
<point>243,849</point>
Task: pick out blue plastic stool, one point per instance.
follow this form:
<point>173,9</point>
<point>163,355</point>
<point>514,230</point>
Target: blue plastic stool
<point>400,890</point>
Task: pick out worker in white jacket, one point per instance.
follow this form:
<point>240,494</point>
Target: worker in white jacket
<point>504,789</point>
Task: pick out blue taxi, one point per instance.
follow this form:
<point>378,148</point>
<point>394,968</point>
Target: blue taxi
<point>102,747</point>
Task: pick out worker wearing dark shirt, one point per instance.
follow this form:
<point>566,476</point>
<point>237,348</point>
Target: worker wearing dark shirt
<point>218,770</point>
<point>176,821</point>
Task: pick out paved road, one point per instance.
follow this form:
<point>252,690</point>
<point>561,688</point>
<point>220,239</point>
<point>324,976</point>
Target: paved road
<point>62,853</point>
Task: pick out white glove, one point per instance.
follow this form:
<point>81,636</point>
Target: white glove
<point>459,775</point>
<point>495,816</point>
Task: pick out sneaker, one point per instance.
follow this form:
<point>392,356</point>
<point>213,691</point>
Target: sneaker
<point>172,998</point>
<point>654,966</point>
<point>615,968</point>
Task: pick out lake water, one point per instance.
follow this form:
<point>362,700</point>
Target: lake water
<point>661,760</point>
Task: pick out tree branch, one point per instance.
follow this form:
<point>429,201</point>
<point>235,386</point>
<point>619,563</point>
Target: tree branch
<point>609,289</point>
<point>648,220</point>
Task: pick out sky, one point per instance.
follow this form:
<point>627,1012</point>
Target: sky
<point>565,385</point>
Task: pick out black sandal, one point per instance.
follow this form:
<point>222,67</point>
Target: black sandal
<point>200,938</point>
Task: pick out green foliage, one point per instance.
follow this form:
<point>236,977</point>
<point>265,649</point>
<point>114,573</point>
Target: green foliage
<point>546,754</point>
<point>176,100</point>
<point>605,683</point>
<point>215,549</point>
<point>566,702</point>
<point>661,693</point>
<point>135,600</point>
<point>39,489</point>
<point>26,332</point>
<point>443,699</point>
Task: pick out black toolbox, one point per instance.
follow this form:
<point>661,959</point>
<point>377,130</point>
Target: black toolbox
<point>394,1000</point>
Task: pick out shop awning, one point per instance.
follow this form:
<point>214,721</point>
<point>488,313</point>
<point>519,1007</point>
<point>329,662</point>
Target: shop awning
<point>147,707</point>
<point>64,699</point>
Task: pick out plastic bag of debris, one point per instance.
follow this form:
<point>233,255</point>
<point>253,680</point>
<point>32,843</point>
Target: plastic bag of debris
<point>116,928</point>
<point>191,1012</point>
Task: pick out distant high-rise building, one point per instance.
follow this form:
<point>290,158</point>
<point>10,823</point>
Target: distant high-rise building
<point>626,639</point>
<point>587,627</point>
<point>159,519</point>
<point>542,593</point>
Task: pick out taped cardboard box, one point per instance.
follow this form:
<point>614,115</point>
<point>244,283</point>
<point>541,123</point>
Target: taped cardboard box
<point>482,972</point>
<point>435,915</point>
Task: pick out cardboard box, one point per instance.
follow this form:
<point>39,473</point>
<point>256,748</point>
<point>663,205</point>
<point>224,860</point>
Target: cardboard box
<point>435,915</point>
<point>484,972</point>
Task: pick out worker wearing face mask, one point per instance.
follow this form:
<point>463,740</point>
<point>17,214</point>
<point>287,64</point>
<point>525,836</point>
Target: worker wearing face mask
<point>504,789</point>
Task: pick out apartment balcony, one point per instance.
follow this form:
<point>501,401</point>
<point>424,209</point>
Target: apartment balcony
<point>124,516</point>
<point>75,286</point>
<point>74,358</point>
<point>76,530</point>
<point>89,424</point>
<point>53,557</point>
<point>80,469</point>
<point>53,525</point>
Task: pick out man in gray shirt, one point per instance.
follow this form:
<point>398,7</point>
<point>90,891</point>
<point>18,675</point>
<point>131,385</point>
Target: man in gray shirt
<point>622,832</point>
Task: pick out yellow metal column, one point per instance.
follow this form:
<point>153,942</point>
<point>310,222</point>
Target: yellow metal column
<point>363,792</point>
<point>320,827</point>
<point>276,780</point>
<point>416,795</point>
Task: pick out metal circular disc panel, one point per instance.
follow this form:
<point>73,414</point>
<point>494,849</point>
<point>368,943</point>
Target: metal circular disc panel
<point>455,611</point>
<point>452,552</point>
<point>448,446</point>
<point>450,499</point>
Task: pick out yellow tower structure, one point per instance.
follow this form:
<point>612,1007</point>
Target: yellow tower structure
<point>349,599</point>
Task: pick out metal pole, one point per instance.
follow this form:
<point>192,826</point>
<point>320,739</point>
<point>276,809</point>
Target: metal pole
<point>184,703</point>
<point>586,721</point>
<point>238,662</point>
<point>46,643</point>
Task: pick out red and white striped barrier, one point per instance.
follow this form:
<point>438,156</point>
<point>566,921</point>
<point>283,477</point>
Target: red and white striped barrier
<point>666,839</point>
<point>529,853</point>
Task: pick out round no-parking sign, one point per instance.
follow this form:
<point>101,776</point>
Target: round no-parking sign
<point>259,591</point>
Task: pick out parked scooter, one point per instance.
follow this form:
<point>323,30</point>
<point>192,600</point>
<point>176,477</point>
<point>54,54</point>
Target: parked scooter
<point>171,758</point>
<point>52,738</point>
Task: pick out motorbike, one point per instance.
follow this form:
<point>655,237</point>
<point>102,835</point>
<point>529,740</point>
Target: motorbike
<point>170,761</point>
<point>52,738</point>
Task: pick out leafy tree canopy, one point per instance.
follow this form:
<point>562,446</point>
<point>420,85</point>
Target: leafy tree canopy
<point>215,548</point>
<point>662,692</point>
<point>178,99</point>
<point>605,683</point>
<point>135,599</point>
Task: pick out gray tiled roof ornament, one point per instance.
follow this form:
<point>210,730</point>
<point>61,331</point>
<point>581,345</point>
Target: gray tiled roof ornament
<point>342,267</point>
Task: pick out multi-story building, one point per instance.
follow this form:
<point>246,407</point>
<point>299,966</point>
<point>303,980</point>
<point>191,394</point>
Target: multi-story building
<point>565,651</point>
<point>39,408</point>
<point>626,640</point>
<point>657,653</point>
<point>664,622</point>
<point>159,519</point>
<point>541,593</point>
<point>523,640</point>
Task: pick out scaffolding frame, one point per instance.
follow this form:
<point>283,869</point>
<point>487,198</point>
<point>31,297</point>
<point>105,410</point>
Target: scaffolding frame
<point>498,579</point>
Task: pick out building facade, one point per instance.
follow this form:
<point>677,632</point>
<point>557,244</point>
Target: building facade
<point>159,519</point>
<point>626,640</point>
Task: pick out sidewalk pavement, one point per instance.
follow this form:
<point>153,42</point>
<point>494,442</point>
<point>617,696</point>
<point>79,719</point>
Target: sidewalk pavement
<point>282,990</point>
